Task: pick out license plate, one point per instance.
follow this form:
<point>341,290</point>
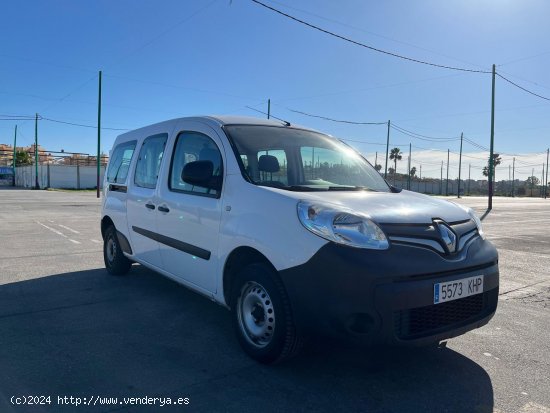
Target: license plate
<point>453,290</point>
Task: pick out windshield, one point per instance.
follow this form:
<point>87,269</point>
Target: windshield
<point>300,160</point>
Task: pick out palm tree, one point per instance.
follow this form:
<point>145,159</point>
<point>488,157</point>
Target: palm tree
<point>396,155</point>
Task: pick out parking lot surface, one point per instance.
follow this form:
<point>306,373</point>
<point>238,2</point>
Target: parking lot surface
<point>67,328</point>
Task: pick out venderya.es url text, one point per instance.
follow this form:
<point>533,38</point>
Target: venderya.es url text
<point>95,400</point>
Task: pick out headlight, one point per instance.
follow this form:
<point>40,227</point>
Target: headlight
<point>341,226</point>
<point>477,221</point>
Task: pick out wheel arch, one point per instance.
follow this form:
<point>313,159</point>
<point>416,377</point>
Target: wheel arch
<point>106,222</point>
<point>237,259</point>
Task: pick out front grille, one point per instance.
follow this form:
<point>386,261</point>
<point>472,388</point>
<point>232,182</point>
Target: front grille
<point>428,236</point>
<point>425,321</point>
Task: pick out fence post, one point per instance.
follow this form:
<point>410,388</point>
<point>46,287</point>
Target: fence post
<point>77,176</point>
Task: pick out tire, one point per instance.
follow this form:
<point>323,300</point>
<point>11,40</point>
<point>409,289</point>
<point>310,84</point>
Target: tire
<point>116,262</point>
<point>262,316</point>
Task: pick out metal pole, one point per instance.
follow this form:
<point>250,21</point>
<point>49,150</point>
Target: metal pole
<point>98,135</point>
<point>509,176</point>
<point>420,171</point>
<point>36,186</point>
<point>441,180</point>
<point>513,175</point>
<point>491,160</point>
<point>14,153</point>
<point>387,151</point>
<point>268,108</point>
<point>542,179</point>
<point>460,165</point>
<point>410,160</point>
<point>469,177</point>
<point>447,183</point>
<point>546,185</point>
<point>313,162</point>
<point>376,159</point>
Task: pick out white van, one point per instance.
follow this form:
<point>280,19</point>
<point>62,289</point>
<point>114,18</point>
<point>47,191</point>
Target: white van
<point>294,232</point>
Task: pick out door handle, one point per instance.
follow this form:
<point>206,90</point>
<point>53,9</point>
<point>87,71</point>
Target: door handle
<point>163,209</point>
<point>117,188</point>
<point>149,206</point>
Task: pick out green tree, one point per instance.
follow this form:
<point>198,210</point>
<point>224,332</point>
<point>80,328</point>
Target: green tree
<point>22,158</point>
<point>378,167</point>
<point>413,171</point>
<point>532,182</point>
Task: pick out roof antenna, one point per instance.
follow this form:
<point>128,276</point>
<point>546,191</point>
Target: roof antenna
<point>287,123</point>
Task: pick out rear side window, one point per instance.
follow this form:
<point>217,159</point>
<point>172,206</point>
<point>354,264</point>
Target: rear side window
<point>190,147</point>
<point>120,162</point>
<point>148,163</point>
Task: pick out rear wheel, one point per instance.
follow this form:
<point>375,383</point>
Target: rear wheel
<point>262,316</point>
<point>115,260</point>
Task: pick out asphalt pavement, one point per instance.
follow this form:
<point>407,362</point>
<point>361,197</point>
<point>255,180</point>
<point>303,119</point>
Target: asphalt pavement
<point>67,328</point>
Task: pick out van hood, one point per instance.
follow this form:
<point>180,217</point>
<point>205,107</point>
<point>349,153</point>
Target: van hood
<point>405,207</point>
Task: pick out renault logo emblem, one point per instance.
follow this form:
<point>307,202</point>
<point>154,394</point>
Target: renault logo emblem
<point>447,235</point>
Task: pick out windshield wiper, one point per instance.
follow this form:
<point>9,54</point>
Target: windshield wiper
<point>300,188</point>
<point>305,188</point>
<point>296,188</point>
<point>350,188</point>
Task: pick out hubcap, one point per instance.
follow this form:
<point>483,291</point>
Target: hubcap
<point>110,248</point>
<point>256,314</point>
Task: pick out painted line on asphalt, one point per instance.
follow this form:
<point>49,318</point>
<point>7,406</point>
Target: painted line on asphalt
<point>57,232</point>
<point>74,231</point>
<point>96,241</point>
<point>52,229</point>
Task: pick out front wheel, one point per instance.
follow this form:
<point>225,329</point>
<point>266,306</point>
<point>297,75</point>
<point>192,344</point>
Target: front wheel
<point>116,262</point>
<point>262,315</point>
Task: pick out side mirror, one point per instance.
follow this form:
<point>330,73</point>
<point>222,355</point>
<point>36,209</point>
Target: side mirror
<point>199,173</point>
<point>394,189</point>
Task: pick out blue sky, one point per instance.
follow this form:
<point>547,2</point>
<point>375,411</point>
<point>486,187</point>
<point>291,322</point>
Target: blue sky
<point>166,59</point>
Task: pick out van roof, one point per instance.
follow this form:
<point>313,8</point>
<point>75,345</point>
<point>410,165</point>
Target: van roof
<point>213,120</point>
<point>244,120</point>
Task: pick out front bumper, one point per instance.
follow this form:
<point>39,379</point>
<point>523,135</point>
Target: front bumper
<point>379,297</point>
